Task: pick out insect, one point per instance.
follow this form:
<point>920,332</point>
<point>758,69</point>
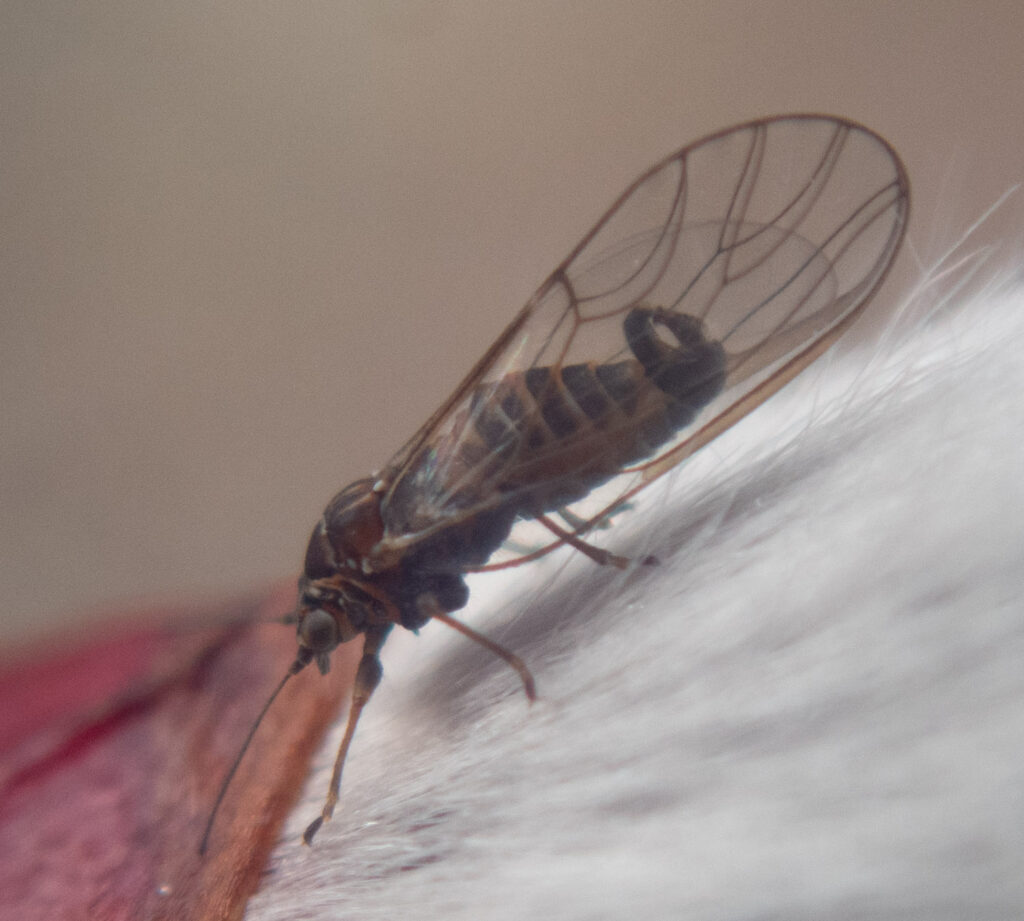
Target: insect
<point>716,277</point>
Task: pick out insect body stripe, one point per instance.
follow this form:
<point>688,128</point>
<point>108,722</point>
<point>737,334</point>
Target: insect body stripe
<point>496,429</point>
<point>587,391</point>
<point>575,426</point>
<point>557,410</point>
<point>619,382</point>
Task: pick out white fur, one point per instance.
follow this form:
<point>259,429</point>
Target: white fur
<point>814,708</point>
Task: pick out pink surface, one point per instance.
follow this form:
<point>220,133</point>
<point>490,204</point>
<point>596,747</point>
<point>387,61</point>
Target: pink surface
<point>112,754</point>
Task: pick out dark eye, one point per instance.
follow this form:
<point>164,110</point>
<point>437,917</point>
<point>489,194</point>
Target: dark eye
<point>318,631</point>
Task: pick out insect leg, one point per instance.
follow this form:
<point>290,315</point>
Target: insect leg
<point>367,678</point>
<point>599,556</point>
<point>581,525</point>
<point>500,651</point>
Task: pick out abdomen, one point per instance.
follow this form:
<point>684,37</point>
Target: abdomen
<point>551,434</point>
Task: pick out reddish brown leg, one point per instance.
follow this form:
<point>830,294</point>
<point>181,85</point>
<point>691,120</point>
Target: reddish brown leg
<point>367,678</point>
<point>518,664</point>
<point>599,556</point>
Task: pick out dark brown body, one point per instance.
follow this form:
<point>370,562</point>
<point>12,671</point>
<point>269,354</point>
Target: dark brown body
<point>537,440</point>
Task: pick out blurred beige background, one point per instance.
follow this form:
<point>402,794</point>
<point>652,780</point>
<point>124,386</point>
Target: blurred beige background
<point>248,247</point>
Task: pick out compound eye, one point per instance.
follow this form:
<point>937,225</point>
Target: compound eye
<point>318,632</point>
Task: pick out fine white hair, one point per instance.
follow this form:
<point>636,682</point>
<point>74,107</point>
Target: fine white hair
<point>813,708</point>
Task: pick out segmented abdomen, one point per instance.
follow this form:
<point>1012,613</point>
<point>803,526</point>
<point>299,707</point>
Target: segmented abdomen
<point>549,435</point>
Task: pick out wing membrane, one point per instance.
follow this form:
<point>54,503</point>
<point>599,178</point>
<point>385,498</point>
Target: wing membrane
<point>772,234</point>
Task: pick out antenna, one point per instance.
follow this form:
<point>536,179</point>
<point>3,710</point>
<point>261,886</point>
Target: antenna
<point>295,668</point>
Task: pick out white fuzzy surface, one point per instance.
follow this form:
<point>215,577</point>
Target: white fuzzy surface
<point>814,708</point>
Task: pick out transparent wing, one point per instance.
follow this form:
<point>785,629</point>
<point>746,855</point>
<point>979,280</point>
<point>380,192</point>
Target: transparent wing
<point>772,234</point>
